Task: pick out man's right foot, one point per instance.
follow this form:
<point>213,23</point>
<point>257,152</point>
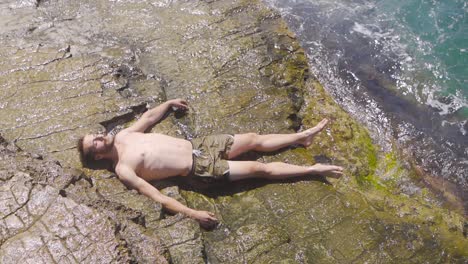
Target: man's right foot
<point>311,132</point>
<point>327,170</point>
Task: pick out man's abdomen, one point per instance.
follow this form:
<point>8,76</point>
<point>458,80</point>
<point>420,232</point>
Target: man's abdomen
<point>167,159</point>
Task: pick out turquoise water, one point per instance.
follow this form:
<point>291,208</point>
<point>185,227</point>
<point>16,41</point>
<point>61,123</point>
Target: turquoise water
<point>426,40</point>
<point>436,35</point>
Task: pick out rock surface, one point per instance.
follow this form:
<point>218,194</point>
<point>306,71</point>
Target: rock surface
<point>75,67</point>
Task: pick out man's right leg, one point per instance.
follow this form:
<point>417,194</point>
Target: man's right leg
<point>239,170</point>
<point>267,143</point>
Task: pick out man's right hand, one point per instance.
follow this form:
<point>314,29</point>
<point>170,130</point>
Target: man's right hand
<point>178,104</point>
<point>206,219</point>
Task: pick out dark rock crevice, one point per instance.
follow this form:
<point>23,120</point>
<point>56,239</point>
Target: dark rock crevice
<point>120,120</point>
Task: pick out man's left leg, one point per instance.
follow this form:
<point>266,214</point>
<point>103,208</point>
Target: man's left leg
<point>267,143</point>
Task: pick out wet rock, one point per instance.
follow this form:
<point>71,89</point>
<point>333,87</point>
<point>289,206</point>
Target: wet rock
<point>42,223</point>
<point>143,247</point>
<point>182,237</point>
<point>114,191</point>
<point>112,196</point>
<point>43,171</point>
<point>40,226</point>
<point>246,245</point>
<point>67,96</point>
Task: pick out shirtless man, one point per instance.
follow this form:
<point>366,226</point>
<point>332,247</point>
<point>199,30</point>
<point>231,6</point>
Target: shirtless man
<point>139,158</point>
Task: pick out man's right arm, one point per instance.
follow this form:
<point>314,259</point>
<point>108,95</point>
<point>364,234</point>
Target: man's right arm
<point>154,115</point>
<point>129,178</point>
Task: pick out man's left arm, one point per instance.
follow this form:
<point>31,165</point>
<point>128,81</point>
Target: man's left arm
<point>154,115</point>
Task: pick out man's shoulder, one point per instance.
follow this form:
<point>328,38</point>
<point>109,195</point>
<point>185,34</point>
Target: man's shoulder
<point>123,134</point>
<point>129,131</point>
<point>119,169</point>
<point>122,169</point>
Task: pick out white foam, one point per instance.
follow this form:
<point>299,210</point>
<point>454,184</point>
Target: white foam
<point>362,29</point>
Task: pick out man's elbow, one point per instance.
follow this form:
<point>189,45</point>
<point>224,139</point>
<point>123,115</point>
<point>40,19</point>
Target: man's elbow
<point>135,186</point>
<point>164,200</point>
<point>155,195</point>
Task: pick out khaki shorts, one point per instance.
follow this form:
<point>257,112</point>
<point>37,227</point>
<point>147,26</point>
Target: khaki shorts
<point>210,156</point>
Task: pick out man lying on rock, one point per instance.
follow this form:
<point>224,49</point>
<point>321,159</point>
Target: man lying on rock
<point>141,157</point>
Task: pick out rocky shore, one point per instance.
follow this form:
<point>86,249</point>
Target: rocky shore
<point>73,67</point>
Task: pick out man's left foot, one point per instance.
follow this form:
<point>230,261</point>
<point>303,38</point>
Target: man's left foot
<point>327,170</point>
<point>311,132</point>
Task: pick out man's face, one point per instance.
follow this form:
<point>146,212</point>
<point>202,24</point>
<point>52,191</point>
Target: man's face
<point>95,143</point>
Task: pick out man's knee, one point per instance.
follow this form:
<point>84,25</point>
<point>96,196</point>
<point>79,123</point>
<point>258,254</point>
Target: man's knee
<point>253,139</point>
<point>260,169</point>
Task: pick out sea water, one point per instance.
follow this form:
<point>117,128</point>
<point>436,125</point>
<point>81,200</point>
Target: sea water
<point>434,40</point>
<point>399,66</point>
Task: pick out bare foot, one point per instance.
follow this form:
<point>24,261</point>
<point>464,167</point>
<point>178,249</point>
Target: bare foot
<point>327,170</point>
<point>311,132</point>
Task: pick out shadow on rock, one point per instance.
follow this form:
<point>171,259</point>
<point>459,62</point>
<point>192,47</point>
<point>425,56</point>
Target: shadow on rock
<point>99,165</point>
<point>225,188</point>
